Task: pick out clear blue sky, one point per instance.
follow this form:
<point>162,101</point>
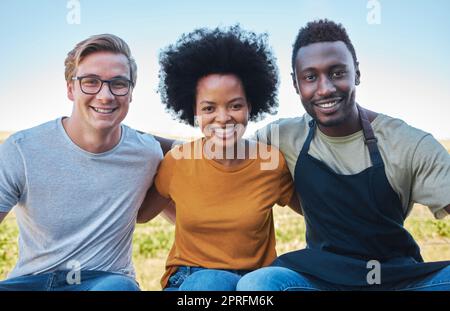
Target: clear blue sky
<point>404,60</point>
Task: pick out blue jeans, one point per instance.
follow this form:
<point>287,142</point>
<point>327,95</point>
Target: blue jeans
<point>202,279</point>
<point>283,279</point>
<point>57,281</point>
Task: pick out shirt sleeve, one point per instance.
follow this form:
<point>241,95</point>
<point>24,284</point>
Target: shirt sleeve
<point>264,134</point>
<point>12,175</point>
<point>164,175</point>
<point>286,183</point>
<point>431,176</point>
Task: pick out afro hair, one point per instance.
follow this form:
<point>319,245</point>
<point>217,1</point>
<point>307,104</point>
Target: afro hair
<point>216,51</point>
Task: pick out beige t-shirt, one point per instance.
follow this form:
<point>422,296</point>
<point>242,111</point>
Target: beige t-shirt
<point>417,165</point>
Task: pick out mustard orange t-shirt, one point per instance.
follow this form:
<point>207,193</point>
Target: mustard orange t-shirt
<point>224,214</point>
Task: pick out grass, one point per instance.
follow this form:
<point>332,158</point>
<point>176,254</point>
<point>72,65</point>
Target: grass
<point>8,245</point>
<point>152,241</point>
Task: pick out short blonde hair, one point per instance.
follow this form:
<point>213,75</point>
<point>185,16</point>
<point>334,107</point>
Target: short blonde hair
<point>98,43</point>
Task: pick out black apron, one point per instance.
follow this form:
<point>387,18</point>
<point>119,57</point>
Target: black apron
<point>351,220</point>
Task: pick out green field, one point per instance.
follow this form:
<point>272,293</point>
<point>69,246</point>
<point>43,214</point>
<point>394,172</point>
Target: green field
<point>153,240</point>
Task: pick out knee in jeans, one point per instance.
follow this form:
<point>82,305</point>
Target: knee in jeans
<point>258,280</point>
<point>116,283</point>
<point>211,280</point>
<point>247,283</point>
<point>273,279</point>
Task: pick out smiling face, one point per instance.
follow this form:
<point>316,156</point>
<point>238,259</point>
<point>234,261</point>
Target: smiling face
<point>103,111</point>
<point>221,109</point>
<point>326,79</point>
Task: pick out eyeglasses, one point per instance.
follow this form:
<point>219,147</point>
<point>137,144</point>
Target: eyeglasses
<point>93,85</point>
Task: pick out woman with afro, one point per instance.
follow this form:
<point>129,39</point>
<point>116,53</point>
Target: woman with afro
<point>223,186</point>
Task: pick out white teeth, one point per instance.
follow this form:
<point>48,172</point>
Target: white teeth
<point>100,110</point>
<point>328,105</point>
<point>224,132</point>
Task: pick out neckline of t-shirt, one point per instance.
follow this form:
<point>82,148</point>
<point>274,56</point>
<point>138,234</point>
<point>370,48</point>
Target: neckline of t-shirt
<point>222,167</point>
<point>348,138</point>
<point>87,153</point>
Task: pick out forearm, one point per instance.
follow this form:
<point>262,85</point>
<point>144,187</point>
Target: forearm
<point>152,205</point>
<point>169,213</point>
<point>295,204</point>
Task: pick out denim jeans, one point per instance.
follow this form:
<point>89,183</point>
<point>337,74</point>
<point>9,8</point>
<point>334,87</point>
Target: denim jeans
<point>202,279</point>
<point>283,279</point>
<point>64,281</point>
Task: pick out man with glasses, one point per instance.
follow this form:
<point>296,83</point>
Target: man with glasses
<point>77,182</point>
<point>92,85</point>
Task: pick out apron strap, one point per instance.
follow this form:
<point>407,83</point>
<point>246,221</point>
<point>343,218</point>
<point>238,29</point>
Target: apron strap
<point>369,137</point>
<point>312,127</point>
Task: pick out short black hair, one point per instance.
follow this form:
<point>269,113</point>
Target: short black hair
<point>322,30</point>
<point>216,51</point>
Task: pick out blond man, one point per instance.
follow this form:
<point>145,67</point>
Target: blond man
<point>77,182</point>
